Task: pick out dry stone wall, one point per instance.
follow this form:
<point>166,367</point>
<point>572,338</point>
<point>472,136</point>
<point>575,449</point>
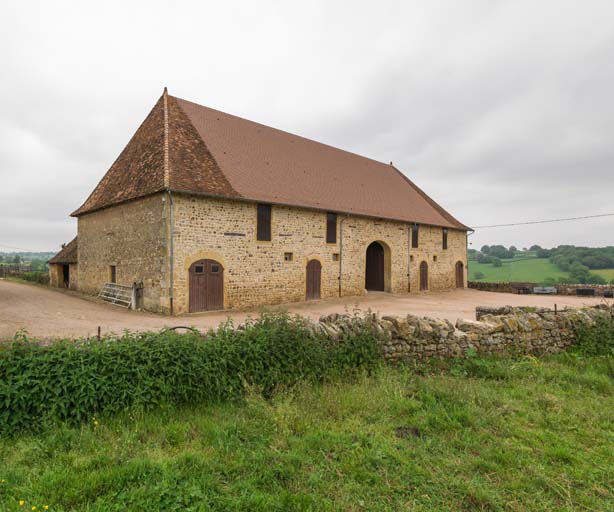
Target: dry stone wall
<point>411,337</point>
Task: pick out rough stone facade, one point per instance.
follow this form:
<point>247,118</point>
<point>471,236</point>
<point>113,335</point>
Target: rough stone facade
<point>256,272</point>
<point>56,275</point>
<point>133,237</point>
<point>410,338</point>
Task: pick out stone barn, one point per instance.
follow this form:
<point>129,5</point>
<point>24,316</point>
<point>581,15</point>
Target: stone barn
<point>210,211</point>
<point>63,266</point>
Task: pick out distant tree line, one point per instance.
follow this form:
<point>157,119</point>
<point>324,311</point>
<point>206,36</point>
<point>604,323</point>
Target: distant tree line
<point>37,260</point>
<point>579,261</point>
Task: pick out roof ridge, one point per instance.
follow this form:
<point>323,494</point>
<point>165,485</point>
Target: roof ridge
<point>284,131</point>
<point>167,171</point>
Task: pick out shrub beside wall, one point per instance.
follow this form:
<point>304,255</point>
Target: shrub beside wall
<point>71,381</point>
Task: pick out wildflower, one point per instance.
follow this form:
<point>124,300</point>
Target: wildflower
<point>46,507</point>
<point>33,507</point>
<point>22,503</point>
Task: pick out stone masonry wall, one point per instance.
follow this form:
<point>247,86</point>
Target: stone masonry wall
<point>410,338</point>
<point>255,272</point>
<point>132,236</point>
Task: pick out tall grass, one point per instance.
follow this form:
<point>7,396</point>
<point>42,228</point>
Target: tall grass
<point>72,381</point>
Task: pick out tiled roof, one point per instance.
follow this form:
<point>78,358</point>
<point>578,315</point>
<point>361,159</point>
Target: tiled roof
<point>217,154</point>
<point>68,254</point>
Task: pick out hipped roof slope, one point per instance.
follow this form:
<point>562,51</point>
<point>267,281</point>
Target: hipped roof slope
<point>68,254</point>
<point>185,147</point>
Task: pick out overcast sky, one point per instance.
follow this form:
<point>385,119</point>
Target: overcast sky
<point>503,111</point>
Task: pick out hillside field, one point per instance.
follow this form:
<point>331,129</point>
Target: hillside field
<point>524,267</point>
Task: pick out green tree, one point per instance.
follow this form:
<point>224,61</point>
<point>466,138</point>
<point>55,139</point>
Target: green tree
<point>17,259</point>
<point>480,275</point>
<point>485,249</point>
<point>496,262</point>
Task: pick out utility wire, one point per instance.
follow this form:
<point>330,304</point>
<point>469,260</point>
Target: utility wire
<point>545,221</point>
<point>20,248</point>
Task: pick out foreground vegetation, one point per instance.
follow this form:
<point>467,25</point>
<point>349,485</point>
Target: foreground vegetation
<point>526,434</point>
<point>507,433</point>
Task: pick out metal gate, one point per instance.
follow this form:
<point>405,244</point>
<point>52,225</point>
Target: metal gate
<point>206,289</point>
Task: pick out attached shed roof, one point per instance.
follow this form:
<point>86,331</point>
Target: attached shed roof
<point>68,254</point>
<point>185,147</point>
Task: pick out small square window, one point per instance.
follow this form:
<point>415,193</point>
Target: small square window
<point>411,257</point>
<point>288,256</point>
<point>336,256</point>
<point>198,269</point>
<point>215,269</point>
<point>434,258</point>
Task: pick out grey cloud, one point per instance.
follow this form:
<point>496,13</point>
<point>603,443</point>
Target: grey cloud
<point>502,111</point>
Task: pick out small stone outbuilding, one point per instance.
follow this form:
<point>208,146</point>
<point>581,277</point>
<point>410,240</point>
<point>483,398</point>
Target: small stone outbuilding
<point>63,266</point>
<point>206,210</point>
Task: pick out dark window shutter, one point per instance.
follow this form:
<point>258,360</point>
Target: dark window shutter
<point>331,228</point>
<point>414,236</point>
<point>445,238</point>
<point>264,222</point>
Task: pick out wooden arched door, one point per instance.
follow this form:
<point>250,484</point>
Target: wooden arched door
<point>424,276</point>
<point>374,271</point>
<point>460,274</point>
<point>314,278</point>
<point>206,288</point>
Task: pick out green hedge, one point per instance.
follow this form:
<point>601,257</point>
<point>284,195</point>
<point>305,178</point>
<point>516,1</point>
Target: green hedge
<point>74,380</point>
<point>35,277</point>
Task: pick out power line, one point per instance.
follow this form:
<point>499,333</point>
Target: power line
<point>545,221</point>
<point>19,248</point>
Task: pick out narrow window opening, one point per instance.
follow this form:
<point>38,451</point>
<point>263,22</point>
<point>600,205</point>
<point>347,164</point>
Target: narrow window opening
<point>331,228</point>
<point>445,239</point>
<point>411,257</point>
<point>414,236</point>
<point>434,258</point>
<point>113,274</point>
<point>263,228</point>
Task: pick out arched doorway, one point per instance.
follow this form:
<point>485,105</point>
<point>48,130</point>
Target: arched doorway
<point>460,274</point>
<point>374,272</point>
<point>206,288</point>
<point>424,276</point>
<point>314,277</point>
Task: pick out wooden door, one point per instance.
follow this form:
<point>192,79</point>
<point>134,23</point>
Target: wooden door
<point>374,272</point>
<point>460,274</point>
<point>424,276</point>
<point>314,277</point>
<point>206,287</point>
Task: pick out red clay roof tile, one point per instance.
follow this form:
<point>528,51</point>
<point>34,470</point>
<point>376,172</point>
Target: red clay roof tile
<point>218,154</point>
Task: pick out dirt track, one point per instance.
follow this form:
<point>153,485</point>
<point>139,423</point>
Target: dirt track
<point>48,313</point>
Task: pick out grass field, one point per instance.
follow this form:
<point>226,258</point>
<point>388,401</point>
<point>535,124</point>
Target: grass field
<point>517,435</point>
<point>524,267</point>
<point>521,268</point>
